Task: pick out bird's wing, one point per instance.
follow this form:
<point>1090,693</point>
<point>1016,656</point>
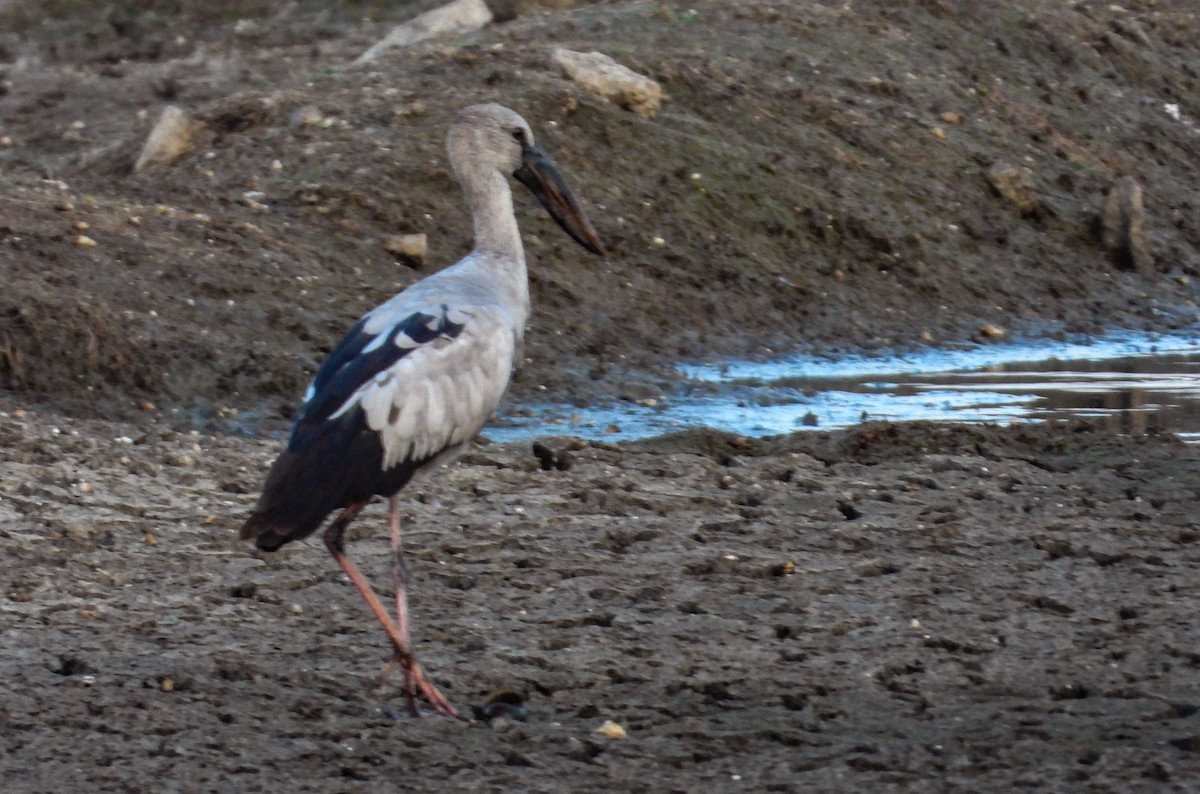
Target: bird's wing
<point>424,379</point>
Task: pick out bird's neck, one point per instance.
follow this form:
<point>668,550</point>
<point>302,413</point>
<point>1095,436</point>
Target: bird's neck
<point>497,238</point>
<point>490,199</point>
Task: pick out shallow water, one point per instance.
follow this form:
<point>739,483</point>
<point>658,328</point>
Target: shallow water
<point>1131,381</point>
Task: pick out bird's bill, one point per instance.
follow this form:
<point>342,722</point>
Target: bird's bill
<point>539,174</point>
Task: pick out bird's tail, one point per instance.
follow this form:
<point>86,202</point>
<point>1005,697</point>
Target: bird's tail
<point>290,508</point>
<point>266,535</point>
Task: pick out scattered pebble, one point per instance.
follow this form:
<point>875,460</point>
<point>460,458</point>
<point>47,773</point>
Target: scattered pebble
<point>307,116</point>
<point>1015,183</point>
<point>83,241</point>
<point>410,247</point>
<point>606,78</point>
<point>612,730</point>
<point>170,139</point>
<point>1123,226</point>
<point>459,16</point>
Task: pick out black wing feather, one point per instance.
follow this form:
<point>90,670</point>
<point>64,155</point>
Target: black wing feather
<point>332,462</point>
<point>348,367</point>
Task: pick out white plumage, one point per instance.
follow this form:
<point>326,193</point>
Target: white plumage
<point>439,393</point>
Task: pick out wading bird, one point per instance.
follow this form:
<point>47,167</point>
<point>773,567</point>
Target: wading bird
<point>416,379</point>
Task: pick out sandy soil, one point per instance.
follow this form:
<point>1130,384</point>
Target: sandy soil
<point>904,608</point>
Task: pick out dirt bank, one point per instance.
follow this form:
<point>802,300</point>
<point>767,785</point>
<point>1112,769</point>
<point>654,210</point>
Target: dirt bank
<point>818,179</point>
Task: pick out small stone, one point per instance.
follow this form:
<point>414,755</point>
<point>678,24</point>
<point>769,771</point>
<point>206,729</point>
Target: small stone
<point>952,117</point>
<point>408,111</point>
<point>991,331</point>
<point>80,529</point>
<point>170,139</point>
<point>83,241</point>
<point>1123,226</point>
<point>606,78</point>
<point>1015,184</point>
<point>939,133</point>
<point>307,116</point>
<point>612,730</point>
<point>409,247</point>
<point>457,17</point>
<point>276,166</point>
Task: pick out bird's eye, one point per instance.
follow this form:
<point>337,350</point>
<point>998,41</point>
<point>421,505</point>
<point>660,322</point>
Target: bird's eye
<point>519,134</point>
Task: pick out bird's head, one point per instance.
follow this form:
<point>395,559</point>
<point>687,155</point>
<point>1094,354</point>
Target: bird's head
<point>498,137</point>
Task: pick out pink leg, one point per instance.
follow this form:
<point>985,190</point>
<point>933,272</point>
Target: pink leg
<point>415,681</point>
<point>399,569</point>
<point>400,587</point>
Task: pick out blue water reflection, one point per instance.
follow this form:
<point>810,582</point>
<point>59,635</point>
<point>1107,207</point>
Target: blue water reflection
<point>1131,381</point>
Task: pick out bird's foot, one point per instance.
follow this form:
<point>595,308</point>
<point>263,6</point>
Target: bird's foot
<point>416,684</point>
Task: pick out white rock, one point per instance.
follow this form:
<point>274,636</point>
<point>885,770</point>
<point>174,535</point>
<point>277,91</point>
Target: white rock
<point>603,76</point>
<point>457,17</point>
<point>170,139</point>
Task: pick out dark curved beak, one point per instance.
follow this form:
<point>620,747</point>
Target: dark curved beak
<point>539,174</point>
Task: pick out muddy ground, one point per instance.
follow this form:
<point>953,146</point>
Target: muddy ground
<point>888,608</point>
